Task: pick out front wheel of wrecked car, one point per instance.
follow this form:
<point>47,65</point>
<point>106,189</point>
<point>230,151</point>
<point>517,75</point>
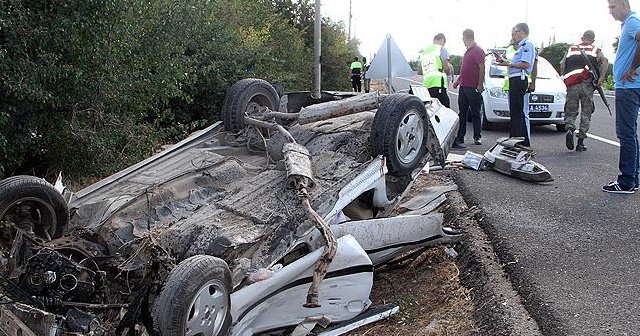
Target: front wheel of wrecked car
<point>32,205</point>
<point>399,132</point>
<point>195,299</point>
<point>248,97</point>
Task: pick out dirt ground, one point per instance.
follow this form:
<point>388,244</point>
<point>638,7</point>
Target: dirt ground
<point>441,296</point>
<point>427,288</point>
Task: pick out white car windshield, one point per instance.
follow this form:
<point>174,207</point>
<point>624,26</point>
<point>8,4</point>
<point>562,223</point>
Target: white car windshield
<point>545,70</point>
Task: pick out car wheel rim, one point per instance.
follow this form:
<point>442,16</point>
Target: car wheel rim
<point>409,137</point>
<point>257,107</point>
<point>208,310</point>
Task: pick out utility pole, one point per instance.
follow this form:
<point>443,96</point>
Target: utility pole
<point>317,29</point>
<point>350,19</point>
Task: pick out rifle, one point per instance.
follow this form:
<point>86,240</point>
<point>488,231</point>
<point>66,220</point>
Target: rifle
<point>594,80</point>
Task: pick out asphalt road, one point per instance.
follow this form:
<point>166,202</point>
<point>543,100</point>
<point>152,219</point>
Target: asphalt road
<point>571,250</point>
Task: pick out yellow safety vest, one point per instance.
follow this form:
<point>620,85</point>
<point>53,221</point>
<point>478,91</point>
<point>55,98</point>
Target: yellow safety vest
<point>432,69</point>
<point>509,53</point>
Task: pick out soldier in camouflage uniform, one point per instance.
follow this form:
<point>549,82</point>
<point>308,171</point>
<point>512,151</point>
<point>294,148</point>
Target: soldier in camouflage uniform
<point>580,86</point>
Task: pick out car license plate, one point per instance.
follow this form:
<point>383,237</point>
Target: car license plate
<point>538,108</point>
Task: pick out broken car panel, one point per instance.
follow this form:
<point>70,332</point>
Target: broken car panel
<point>508,158</point>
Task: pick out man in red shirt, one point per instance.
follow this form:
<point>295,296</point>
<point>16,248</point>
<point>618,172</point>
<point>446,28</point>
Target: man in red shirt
<point>471,82</point>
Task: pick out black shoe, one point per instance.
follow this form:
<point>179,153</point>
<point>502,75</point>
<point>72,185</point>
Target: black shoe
<point>580,146</point>
<point>458,146</point>
<point>569,140</point>
<point>615,188</point>
<point>477,142</point>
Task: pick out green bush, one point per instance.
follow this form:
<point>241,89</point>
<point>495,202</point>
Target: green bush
<point>91,86</point>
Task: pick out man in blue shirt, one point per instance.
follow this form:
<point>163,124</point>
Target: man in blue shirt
<point>520,68</point>
<point>627,85</point>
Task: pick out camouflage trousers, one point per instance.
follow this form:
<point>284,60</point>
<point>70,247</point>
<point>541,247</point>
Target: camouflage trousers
<point>579,94</point>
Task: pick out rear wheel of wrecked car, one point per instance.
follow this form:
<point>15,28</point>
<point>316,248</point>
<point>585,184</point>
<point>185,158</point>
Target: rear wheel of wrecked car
<point>32,205</point>
<point>195,299</point>
<point>399,132</point>
<point>248,97</point>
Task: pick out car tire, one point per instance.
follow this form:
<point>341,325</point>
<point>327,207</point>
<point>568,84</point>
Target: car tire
<point>561,127</point>
<point>195,299</point>
<point>245,97</point>
<point>486,124</point>
<point>45,206</point>
<point>399,132</point>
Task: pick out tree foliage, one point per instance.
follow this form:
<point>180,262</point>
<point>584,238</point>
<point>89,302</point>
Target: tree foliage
<point>456,62</point>
<point>92,86</point>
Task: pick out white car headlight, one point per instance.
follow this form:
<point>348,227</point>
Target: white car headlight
<point>560,96</point>
<point>497,92</point>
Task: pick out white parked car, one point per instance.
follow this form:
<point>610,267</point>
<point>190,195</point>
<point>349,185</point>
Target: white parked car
<point>546,104</point>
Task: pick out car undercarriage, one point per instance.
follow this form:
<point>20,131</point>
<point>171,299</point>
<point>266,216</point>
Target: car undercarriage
<point>275,215</point>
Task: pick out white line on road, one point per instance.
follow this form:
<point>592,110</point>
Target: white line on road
<point>611,142</point>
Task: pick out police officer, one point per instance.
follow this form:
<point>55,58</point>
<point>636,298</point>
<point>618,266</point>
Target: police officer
<point>520,68</point>
<point>580,87</point>
<point>435,68</point>
<point>509,53</point>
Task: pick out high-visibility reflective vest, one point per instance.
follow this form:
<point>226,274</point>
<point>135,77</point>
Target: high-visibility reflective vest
<point>508,54</point>
<point>356,68</point>
<point>432,68</point>
<point>575,67</point>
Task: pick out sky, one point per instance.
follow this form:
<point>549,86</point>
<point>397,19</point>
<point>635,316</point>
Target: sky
<point>413,23</point>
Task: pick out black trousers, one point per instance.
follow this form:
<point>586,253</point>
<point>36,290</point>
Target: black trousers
<point>356,83</point>
<point>517,125</point>
<point>469,101</point>
<point>441,94</point>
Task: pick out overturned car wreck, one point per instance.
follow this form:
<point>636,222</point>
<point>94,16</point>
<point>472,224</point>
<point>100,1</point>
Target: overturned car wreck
<point>250,226</point>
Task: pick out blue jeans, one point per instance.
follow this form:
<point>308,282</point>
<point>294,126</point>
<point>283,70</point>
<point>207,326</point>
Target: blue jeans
<point>627,106</point>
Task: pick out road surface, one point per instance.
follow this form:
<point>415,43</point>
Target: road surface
<point>571,250</point>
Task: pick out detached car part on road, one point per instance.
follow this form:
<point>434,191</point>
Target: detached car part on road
<point>508,158</point>
<point>278,219</point>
